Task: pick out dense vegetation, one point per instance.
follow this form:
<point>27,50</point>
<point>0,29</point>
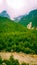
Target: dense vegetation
<point>30,17</point>
<point>11,61</point>
<point>14,37</point>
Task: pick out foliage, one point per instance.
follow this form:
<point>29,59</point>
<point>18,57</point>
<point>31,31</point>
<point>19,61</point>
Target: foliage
<point>30,17</point>
<point>14,37</point>
<point>11,61</point>
<point>0,60</point>
<point>25,63</point>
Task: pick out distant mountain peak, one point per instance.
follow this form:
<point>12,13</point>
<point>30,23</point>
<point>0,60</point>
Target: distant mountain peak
<point>4,11</point>
<point>4,14</point>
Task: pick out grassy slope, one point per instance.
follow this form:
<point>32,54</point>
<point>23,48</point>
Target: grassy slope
<point>17,38</point>
<point>7,25</point>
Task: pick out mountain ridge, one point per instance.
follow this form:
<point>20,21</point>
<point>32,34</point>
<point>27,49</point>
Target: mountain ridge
<point>30,17</point>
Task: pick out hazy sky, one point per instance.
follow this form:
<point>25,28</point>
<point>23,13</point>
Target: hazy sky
<point>17,7</point>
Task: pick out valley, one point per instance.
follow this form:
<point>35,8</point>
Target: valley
<point>19,39</point>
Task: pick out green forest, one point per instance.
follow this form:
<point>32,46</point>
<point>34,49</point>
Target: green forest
<point>15,37</point>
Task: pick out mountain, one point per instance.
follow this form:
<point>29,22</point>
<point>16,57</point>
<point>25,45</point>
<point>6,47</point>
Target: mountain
<point>30,17</point>
<point>4,14</point>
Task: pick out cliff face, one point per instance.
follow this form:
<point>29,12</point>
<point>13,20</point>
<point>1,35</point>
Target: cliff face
<point>29,26</point>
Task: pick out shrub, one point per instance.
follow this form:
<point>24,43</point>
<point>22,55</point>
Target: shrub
<point>0,60</point>
<point>24,64</point>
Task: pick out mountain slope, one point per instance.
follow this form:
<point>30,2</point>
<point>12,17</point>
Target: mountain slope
<point>7,25</point>
<point>31,17</point>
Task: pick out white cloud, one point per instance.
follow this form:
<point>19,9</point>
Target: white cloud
<point>18,7</point>
<point>1,1</point>
<point>16,4</point>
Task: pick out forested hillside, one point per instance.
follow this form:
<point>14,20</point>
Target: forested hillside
<point>14,37</point>
<point>30,17</point>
